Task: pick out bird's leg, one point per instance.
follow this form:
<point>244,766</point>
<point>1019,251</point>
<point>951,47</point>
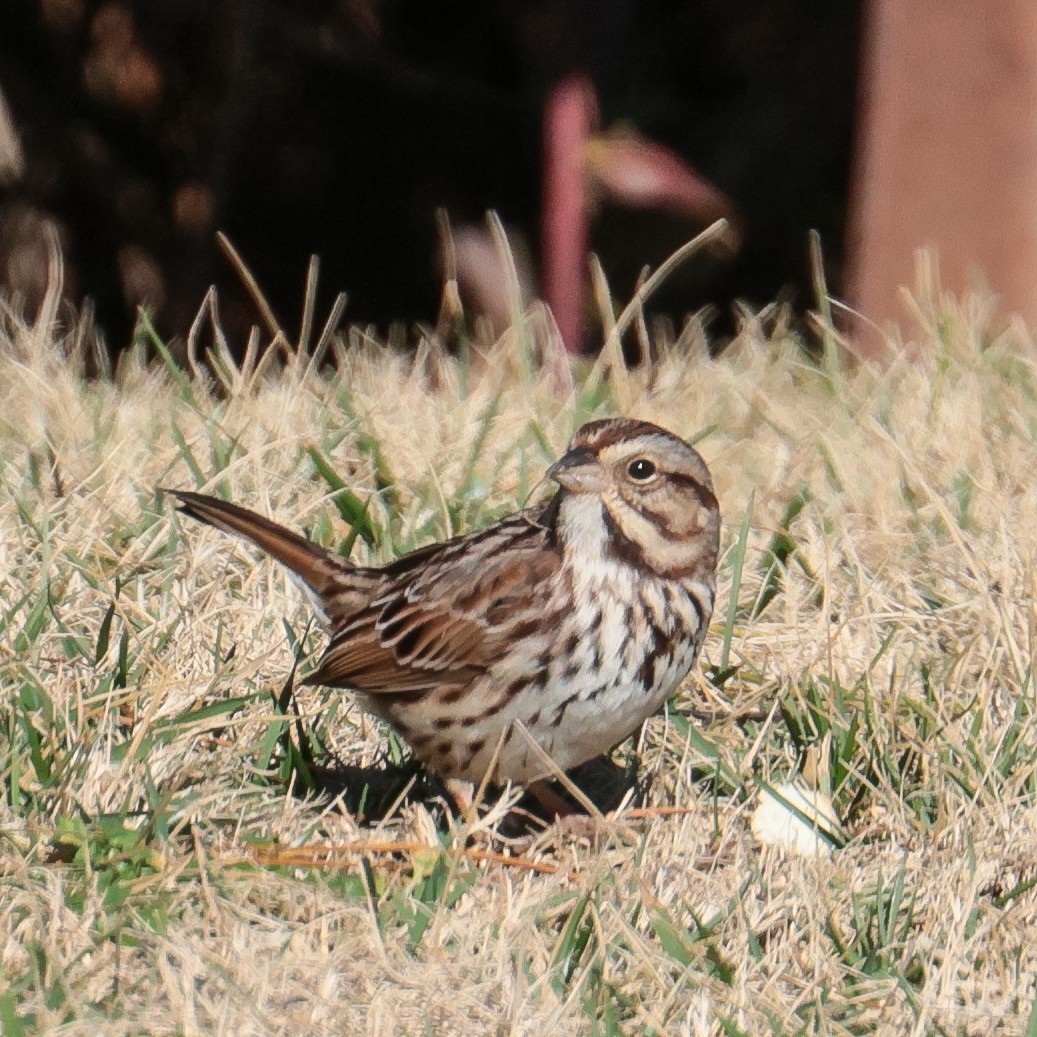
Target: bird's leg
<point>554,804</point>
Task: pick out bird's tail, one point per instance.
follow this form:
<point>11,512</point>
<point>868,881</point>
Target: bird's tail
<point>319,570</point>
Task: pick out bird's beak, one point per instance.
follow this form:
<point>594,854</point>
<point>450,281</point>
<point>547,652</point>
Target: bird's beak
<point>578,471</point>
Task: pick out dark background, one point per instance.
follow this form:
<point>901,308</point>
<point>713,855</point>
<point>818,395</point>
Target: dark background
<point>338,127</point>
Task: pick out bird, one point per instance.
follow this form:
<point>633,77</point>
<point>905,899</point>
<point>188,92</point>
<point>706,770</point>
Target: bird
<point>538,642</point>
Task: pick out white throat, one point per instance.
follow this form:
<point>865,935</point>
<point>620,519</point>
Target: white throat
<point>582,526</point>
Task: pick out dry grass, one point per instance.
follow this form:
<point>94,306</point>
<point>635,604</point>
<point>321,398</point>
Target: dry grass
<point>157,875</point>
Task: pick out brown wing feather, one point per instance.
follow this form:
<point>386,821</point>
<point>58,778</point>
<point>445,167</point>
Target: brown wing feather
<point>423,633</point>
<point>416,653</point>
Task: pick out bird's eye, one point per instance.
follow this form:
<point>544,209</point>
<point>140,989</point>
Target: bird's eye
<point>641,470</point>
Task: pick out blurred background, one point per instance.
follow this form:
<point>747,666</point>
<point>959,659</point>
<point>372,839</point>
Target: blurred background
<point>138,128</point>
<point>339,127</point>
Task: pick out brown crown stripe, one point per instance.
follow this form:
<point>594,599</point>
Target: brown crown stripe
<point>601,434</point>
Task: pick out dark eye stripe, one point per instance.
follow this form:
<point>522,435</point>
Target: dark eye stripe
<point>658,521</point>
<point>705,495</point>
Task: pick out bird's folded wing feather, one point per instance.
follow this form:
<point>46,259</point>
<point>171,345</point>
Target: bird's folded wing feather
<point>447,620</point>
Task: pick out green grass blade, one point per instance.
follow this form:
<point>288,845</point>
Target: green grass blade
<point>353,510</point>
<point>737,567</point>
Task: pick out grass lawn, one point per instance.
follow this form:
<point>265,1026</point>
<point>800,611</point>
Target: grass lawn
<point>166,868</point>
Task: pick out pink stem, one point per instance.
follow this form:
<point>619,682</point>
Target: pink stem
<point>567,124</point>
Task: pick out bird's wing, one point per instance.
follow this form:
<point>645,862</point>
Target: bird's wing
<point>444,618</point>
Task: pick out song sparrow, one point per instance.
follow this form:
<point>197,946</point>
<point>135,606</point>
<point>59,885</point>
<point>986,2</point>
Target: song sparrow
<point>568,624</point>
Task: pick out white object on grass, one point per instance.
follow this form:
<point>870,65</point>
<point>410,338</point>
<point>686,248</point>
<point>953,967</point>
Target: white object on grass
<point>800,820</point>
